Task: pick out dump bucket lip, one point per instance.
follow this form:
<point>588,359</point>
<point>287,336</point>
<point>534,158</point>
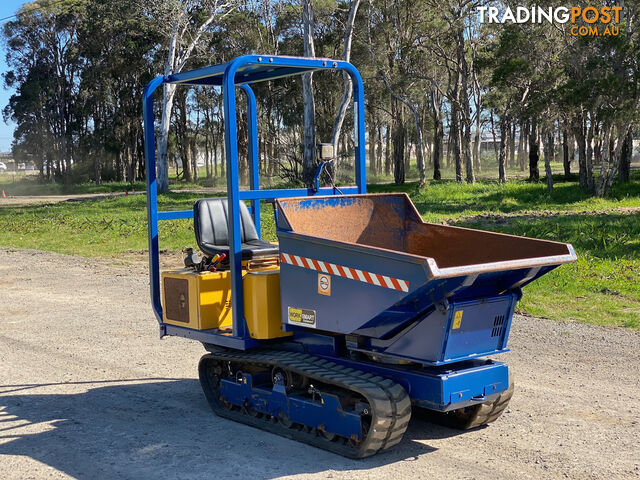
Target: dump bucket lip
<point>434,272</point>
<point>478,268</point>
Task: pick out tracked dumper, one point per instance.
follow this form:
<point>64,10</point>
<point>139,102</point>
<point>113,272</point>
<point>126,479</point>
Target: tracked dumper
<point>361,312</point>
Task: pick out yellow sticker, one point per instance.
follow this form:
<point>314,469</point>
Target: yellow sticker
<point>295,315</point>
<point>457,319</point>
<point>324,284</point>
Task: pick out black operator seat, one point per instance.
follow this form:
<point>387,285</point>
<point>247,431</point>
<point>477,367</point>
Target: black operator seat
<point>210,224</point>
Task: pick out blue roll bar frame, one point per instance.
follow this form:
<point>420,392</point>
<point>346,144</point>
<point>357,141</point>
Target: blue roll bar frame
<point>240,72</point>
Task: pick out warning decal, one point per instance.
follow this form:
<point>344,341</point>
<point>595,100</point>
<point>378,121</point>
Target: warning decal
<point>345,272</point>
<point>324,284</point>
<point>300,316</point>
<point>457,320</point>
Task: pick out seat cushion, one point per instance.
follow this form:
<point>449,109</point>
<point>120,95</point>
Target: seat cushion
<point>210,217</point>
<point>251,249</point>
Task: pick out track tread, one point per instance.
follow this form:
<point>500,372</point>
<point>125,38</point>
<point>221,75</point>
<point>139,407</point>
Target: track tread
<point>482,414</point>
<point>389,402</point>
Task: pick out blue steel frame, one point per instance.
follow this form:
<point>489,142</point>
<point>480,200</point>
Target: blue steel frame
<point>240,72</point>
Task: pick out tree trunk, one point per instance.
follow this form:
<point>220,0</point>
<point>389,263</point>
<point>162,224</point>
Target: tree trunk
<point>468,159</point>
<point>97,164</point>
<point>589,162</point>
<point>522,145</point>
<point>512,145</point>
<point>194,159</point>
<point>387,150</point>
<point>309,157</point>
<point>597,145</point>
<point>379,167</point>
<point>408,147</point>
<point>169,90</point>
<point>419,144</point>
<point>477,141</point>
<point>206,155</point>
<point>502,156</point>
<point>398,145</point>
<point>215,160</point>
<point>438,131</point>
<point>493,135</point>
<point>624,167</point>
<point>455,134</point>
<point>373,130</point>
<point>534,152</point>
<point>578,127</point>
<point>186,163</point>
<point>609,165</point>
<point>565,154</point>
<point>438,136</point>
<point>547,160</point>
<point>465,110</point>
<point>348,86</point>
<point>117,165</point>
<point>449,140</point>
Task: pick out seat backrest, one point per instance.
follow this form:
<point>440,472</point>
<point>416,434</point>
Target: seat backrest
<point>210,223</point>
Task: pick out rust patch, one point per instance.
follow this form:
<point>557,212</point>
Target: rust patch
<point>376,220</point>
<point>457,247</point>
<point>390,221</point>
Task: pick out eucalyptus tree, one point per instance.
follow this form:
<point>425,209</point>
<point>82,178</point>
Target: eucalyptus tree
<point>42,52</point>
<point>189,20</point>
<point>450,40</point>
<point>114,45</point>
<point>602,96</point>
<point>392,38</point>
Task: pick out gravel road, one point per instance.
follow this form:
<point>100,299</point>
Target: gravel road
<point>88,391</point>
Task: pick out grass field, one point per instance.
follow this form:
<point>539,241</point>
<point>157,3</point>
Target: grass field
<point>603,287</point>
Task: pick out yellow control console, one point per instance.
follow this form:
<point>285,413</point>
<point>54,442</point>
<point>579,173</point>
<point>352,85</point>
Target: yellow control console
<point>202,301</point>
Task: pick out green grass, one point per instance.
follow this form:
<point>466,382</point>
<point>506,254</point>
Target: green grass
<point>94,228</point>
<point>603,287</point>
<point>104,227</point>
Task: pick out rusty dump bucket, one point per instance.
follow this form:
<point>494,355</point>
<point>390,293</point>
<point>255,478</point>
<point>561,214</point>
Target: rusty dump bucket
<point>368,264</point>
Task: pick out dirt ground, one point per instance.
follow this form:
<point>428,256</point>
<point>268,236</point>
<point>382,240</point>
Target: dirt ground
<point>31,200</point>
<point>87,390</point>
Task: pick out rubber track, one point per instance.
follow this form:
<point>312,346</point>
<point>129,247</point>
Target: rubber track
<point>489,412</point>
<point>389,402</point>
<point>472,417</point>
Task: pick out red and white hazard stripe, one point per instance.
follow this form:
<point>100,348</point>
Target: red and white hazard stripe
<point>346,272</point>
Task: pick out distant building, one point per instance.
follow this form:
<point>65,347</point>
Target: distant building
<point>7,159</point>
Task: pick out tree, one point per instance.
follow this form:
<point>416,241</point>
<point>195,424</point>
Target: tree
<point>189,21</point>
<point>348,86</point>
<point>42,50</point>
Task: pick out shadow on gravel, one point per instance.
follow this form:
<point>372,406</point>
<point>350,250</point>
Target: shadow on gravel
<point>163,428</point>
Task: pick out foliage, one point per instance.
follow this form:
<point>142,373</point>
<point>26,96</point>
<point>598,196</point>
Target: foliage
<point>437,82</point>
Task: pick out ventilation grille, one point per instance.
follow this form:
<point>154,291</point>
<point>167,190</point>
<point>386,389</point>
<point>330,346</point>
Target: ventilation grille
<point>498,326</point>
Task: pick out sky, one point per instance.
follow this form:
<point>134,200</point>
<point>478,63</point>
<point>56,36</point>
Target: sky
<point>7,7</point>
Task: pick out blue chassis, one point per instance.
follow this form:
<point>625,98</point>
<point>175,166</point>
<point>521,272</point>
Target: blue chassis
<point>437,388</point>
